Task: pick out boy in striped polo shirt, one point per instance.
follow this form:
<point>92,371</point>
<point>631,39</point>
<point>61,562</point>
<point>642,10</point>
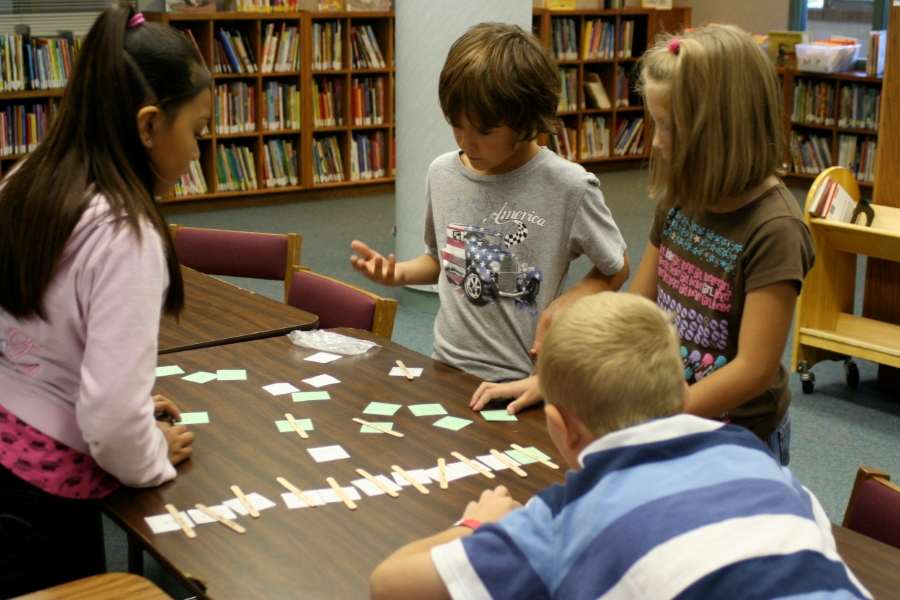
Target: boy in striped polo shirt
<point>659,504</point>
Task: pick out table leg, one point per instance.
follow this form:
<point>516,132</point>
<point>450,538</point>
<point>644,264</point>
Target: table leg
<point>135,556</point>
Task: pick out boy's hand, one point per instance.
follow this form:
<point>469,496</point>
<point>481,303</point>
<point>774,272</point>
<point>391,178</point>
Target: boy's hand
<point>525,392</point>
<point>373,265</point>
<point>179,439</point>
<point>164,406</point>
<point>492,506</point>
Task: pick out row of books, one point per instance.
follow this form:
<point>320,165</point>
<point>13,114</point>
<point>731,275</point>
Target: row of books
<point>623,87</point>
<point>266,6</point>
<point>599,39</point>
<point>857,154</point>
<point>280,166</point>
<point>629,138</point>
<point>22,127</point>
<point>563,39</point>
<point>233,53</point>
<point>626,39</point>
<point>367,155</point>
<point>365,48</point>
<point>327,45</point>
<point>810,152</point>
<point>281,106</point>
<point>594,137</point>
<point>39,63</point>
<point>860,106</point>
<point>281,49</point>
<point>568,97</point>
<point>235,107</point>
<point>192,183</point>
<point>832,202</point>
<point>564,143</point>
<point>813,102</point>
<point>877,51</point>
<point>327,94</point>
<point>327,164</point>
<point>235,169</point>
<point>367,100</point>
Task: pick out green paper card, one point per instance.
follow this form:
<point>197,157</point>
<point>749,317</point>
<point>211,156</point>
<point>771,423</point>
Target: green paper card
<point>194,418</point>
<point>454,423</point>
<point>367,429</point>
<point>231,374</point>
<point>285,426</point>
<point>427,410</point>
<point>524,458</point>
<point>307,396</point>
<point>380,408</point>
<point>200,377</point>
<point>498,415</point>
<point>172,370</point>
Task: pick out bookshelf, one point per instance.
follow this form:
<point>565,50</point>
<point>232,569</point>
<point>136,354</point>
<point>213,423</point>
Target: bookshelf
<point>585,53</point>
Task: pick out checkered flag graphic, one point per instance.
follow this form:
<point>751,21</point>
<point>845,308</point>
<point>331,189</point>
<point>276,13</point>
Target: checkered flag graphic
<point>511,239</point>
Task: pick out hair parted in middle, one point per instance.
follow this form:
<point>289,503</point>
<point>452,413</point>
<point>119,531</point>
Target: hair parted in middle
<point>613,360</point>
<point>497,74</point>
<point>725,102</point>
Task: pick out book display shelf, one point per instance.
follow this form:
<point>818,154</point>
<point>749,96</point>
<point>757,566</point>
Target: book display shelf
<point>606,124</point>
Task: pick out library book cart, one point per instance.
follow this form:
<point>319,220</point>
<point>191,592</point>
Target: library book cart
<point>825,327</point>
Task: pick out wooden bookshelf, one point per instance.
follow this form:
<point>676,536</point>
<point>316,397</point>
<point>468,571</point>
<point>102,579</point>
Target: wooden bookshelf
<point>648,23</point>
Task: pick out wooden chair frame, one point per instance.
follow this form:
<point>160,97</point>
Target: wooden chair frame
<point>863,475</point>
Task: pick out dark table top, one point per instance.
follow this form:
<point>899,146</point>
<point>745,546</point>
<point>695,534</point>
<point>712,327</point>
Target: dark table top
<point>108,586</point>
<point>876,565</point>
<point>328,551</point>
<point>216,313</point>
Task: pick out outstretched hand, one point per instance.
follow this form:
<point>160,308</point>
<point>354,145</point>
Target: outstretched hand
<point>373,265</point>
<point>179,440</point>
<point>525,392</point>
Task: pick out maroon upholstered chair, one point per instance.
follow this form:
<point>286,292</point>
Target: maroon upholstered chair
<point>339,304</point>
<point>874,507</point>
<point>238,253</point>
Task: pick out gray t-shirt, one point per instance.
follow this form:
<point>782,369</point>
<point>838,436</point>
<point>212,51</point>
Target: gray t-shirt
<point>504,243</point>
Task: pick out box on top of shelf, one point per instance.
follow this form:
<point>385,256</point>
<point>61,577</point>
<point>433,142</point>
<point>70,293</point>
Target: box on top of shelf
<point>826,58</point>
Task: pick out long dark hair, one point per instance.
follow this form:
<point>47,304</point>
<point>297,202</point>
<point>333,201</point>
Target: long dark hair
<point>94,141</point>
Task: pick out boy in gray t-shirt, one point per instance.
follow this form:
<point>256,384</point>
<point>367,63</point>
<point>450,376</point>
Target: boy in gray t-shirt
<point>504,216</point>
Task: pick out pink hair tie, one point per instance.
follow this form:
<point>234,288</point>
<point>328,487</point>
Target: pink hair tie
<point>675,45</point>
<point>136,20</point>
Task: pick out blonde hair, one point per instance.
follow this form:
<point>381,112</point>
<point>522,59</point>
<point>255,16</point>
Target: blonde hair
<point>612,361</point>
<point>727,134</point>
<point>497,74</point>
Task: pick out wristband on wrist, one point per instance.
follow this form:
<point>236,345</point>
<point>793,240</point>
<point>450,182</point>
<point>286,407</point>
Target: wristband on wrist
<point>470,523</point>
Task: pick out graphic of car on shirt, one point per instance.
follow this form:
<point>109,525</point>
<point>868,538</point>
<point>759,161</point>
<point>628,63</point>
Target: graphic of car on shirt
<point>473,258</point>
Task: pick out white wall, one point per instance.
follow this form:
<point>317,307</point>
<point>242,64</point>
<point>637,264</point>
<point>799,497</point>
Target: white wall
<point>756,16</point>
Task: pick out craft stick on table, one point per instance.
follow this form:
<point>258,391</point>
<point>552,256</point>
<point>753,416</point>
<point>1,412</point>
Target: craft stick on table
<point>310,501</point>
<point>296,425</point>
<point>412,480</point>
<point>473,464</point>
<point>405,370</point>
<point>509,463</point>
<point>187,529</point>
<point>531,454</point>
<point>378,484</point>
<point>240,496</point>
<point>442,472</point>
<point>378,427</point>
<point>226,522</point>
<point>337,490</point>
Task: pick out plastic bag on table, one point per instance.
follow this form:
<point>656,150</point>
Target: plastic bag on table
<point>330,342</point>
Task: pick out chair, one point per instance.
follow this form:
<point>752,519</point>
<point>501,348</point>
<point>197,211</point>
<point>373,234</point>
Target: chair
<point>238,253</point>
<point>874,507</point>
<point>339,304</point>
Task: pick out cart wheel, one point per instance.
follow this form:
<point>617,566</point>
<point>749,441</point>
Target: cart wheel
<point>851,371</point>
<point>807,377</point>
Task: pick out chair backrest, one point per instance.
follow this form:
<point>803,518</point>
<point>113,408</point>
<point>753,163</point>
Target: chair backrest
<point>874,507</point>
<point>339,304</point>
<point>238,253</point>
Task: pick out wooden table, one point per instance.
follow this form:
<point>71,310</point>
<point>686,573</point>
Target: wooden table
<point>216,313</point>
<point>328,551</point>
<point>876,565</point>
<point>109,586</point>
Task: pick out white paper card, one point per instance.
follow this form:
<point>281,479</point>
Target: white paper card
<point>414,371</point>
<point>292,501</point>
<point>321,381</point>
<point>417,474</point>
<point>165,523</point>
<point>279,389</point>
<point>200,377</point>
<point>327,453</point>
<point>495,463</point>
<point>201,518</point>
<point>330,496</point>
<point>456,470</point>
<point>322,357</point>
<point>370,489</point>
<point>170,370</point>
<point>257,501</point>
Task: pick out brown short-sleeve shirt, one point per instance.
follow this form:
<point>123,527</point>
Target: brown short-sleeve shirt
<point>708,262</point>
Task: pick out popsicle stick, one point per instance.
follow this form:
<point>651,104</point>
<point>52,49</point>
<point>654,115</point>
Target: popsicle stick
<point>509,463</point>
<point>412,480</point>
<point>337,490</point>
<point>297,492</point>
<point>405,370</point>
<point>296,426</point>
<point>378,484</point>
<point>543,461</point>
<point>379,428</point>
<point>187,529</point>
<point>226,522</point>
<point>474,465</point>
<point>240,496</point>
<point>442,472</point>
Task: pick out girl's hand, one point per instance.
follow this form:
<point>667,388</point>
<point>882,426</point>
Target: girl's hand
<point>492,506</point>
<point>524,391</point>
<point>179,439</point>
<point>164,406</point>
<point>373,265</point>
